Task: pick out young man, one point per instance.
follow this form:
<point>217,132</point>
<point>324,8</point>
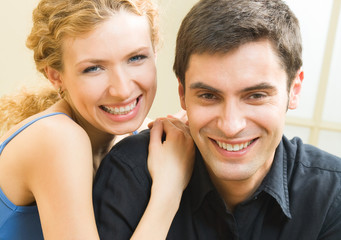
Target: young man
<point>239,68</point>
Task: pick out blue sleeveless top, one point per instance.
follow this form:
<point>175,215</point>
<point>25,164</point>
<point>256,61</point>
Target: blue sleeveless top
<point>19,222</point>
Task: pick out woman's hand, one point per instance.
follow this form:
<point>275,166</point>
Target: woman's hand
<point>171,156</point>
<point>170,163</point>
<point>181,115</point>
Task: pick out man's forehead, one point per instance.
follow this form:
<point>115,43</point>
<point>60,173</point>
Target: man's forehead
<point>252,64</point>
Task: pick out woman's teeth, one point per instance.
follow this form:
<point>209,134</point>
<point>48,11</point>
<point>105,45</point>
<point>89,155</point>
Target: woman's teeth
<point>234,147</point>
<point>120,110</point>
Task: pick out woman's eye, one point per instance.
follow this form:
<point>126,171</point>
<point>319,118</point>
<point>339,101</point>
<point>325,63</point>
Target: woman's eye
<point>92,69</point>
<point>137,58</point>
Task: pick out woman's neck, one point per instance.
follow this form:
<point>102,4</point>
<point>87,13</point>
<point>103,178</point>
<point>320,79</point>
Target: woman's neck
<point>101,142</point>
<point>101,145</point>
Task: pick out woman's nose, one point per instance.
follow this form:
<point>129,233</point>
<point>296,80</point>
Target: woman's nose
<point>120,84</point>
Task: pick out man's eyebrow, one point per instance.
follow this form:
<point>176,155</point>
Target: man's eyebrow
<point>201,85</point>
<point>260,86</point>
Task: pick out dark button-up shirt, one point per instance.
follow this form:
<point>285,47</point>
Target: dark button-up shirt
<point>300,198</point>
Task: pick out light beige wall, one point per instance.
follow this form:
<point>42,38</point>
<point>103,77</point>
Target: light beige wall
<point>16,61</point>
<point>171,14</point>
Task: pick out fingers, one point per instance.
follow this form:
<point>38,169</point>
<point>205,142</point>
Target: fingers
<point>150,124</point>
<point>181,115</point>
<point>170,162</point>
<point>168,128</point>
<point>178,124</point>
<point>145,124</point>
<point>156,133</point>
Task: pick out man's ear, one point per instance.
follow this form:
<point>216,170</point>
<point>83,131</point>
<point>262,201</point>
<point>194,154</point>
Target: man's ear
<point>181,90</point>
<point>295,90</point>
<point>54,77</point>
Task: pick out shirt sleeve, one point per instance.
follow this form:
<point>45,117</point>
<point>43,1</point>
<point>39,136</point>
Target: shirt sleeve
<point>331,229</point>
<point>122,188</point>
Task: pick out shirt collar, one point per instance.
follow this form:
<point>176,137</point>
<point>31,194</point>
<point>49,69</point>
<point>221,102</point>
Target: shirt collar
<point>200,184</point>
<point>275,183</point>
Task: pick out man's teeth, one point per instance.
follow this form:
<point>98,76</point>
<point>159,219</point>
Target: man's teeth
<point>233,147</point>
<point>120,110</point>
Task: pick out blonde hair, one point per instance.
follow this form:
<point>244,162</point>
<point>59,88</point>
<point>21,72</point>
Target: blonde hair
<point>52,21</point>
<point>27,102</point>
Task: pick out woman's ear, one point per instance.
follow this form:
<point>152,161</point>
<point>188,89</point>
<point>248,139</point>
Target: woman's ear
<point>181,90</point>
<point>54,77</point>
<point>295,90</point>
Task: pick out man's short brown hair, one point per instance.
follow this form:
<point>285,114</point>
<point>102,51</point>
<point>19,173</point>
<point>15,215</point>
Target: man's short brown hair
<point>219,26</point>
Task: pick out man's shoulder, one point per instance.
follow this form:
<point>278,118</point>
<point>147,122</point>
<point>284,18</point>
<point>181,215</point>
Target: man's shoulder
<point>314,177</point>
<point>133,150</point>
<point>121,188</point>
<point>130,153</point>
<point>310,156</point>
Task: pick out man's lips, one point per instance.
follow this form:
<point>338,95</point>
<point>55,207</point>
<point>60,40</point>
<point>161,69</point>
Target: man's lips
<point>234,147</point>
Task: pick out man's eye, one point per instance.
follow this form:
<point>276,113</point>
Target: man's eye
<point>207,96</point>
<point>257,96</point>
<point>137,58</point>
<point>92,69</point>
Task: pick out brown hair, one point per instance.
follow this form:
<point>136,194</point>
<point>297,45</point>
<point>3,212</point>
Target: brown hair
<point>219,26</point>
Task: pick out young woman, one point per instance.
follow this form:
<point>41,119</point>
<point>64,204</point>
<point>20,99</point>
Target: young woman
<point>100,57</point>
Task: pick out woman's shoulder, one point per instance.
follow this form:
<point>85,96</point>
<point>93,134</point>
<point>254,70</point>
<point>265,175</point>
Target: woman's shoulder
<point>43,146</point>
<point>59,133</point>
<point>57,124</point>
<point>45,124</point>
<point>46,135</point>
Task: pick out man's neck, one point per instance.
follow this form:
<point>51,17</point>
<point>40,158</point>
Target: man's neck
<point>237,191</point>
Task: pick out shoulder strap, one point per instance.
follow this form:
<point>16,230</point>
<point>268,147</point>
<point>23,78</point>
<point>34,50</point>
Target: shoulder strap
<point>3,145</point>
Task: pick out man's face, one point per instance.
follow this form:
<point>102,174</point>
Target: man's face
<point>236,105</point>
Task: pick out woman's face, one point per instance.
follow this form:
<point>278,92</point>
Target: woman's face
<point>109,74</point>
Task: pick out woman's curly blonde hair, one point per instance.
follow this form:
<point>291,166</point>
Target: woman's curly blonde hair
<point>52,21</point>
<point>27,102</point>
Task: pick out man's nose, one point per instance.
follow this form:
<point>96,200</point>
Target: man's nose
<point>232,118</point>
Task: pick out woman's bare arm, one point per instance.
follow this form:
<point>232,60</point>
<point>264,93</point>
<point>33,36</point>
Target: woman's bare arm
<point>170,163</point>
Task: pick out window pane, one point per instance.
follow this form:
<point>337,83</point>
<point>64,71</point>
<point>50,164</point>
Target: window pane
<point>314,19</point>
<point>330,142</point>
<point>294,131</point>
<point>332,107</point>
